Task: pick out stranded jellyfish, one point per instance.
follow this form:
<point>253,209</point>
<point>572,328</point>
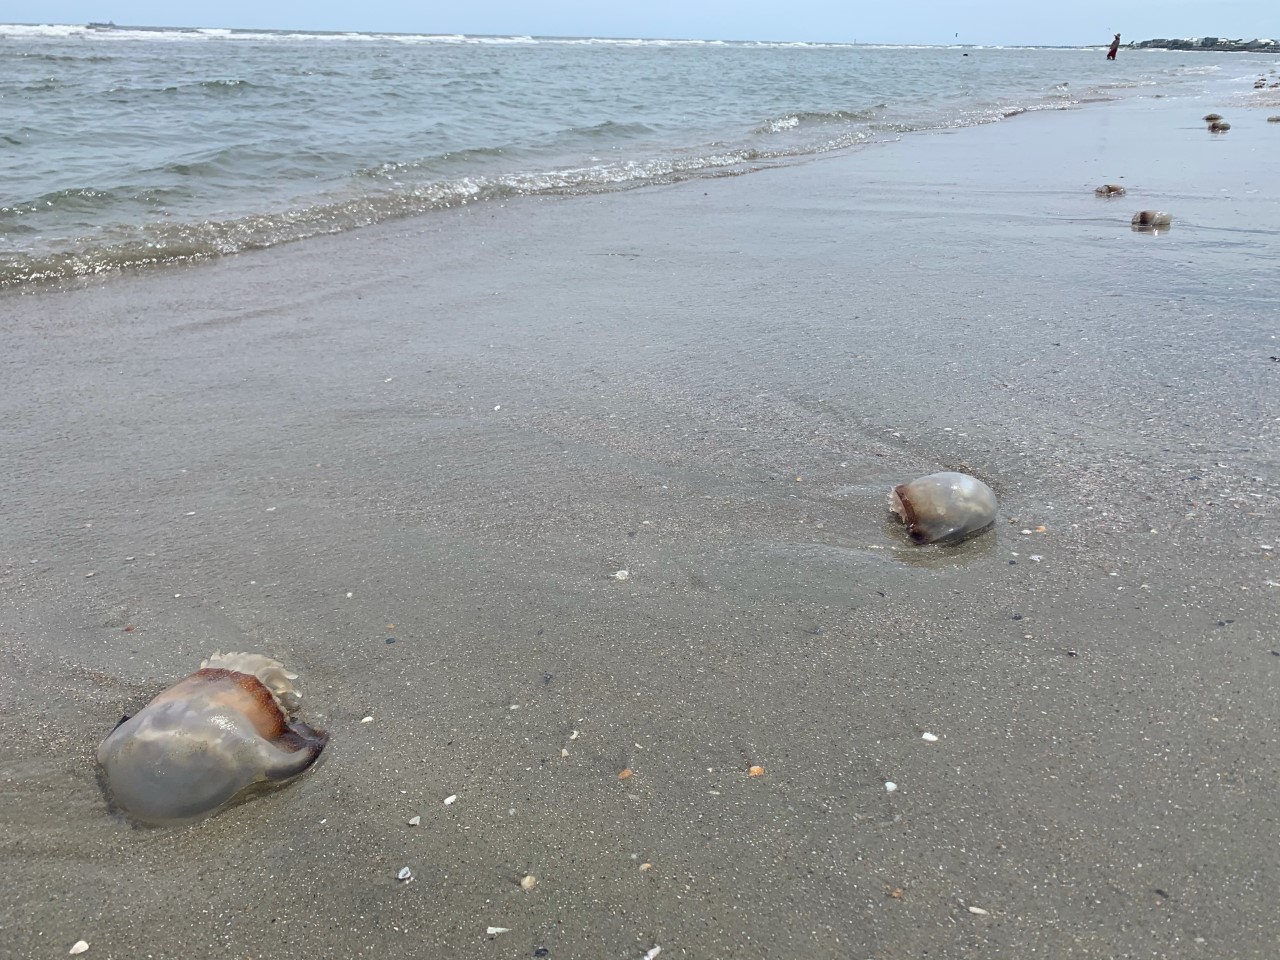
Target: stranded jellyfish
<point>207,739</point>
<point>1110,190</point>
<point>1151,220</point>
<point>944,507</point>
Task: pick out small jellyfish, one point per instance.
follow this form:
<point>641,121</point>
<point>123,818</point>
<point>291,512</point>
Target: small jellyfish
<point>207,739</point>
<point>944,507</point>
<point>1210,117</point>
<point>1110,190</point>
<point>1219,126</point>
<point>1150,220</point>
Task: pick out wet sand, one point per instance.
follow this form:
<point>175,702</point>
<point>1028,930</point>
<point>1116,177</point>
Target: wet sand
<point>454,432</point>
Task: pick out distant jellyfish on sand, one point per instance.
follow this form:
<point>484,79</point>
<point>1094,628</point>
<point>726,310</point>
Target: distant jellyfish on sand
<point>1110,190</point>
<point>207,739</point>
<point>1150,220</point>
<point>944,507</point>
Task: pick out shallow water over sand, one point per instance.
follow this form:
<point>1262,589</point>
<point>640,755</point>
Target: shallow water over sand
<point>128,147</point>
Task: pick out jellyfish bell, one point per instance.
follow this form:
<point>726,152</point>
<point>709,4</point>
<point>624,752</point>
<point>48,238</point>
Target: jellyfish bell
<point>207,740</point>
<point>944,507</point>
<point>1110,190</point>
<point>1151,221</point>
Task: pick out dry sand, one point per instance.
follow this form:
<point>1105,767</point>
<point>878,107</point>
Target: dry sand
<point>455,431</point>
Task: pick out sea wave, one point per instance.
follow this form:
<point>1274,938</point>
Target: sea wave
<point>165,242</point>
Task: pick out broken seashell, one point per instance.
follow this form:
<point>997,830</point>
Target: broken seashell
<point>528,882</point>
<point>80,946</point>
<point>756,771</point>
<point>208,738</point>
<point>944,507</point>
<point>1149,219</point>
<point>1110,190</point>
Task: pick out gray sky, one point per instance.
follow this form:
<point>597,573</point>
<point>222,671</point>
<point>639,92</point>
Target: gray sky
<point>896,21</point>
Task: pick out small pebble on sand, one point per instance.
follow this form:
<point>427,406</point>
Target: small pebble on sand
<point>890,786</point>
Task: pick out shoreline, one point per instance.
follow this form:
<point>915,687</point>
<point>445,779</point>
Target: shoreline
<point>470,422</point>
<point>197,232</point>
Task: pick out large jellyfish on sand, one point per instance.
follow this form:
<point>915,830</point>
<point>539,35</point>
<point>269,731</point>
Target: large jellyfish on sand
<point>944,507</point>
<point>208,739</point>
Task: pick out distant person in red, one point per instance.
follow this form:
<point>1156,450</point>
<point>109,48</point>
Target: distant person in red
<point>1115,45</point>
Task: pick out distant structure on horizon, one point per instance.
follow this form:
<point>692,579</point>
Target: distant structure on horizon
<point>1212,43</point>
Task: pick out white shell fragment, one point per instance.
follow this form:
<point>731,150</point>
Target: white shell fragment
<point>404,874</point>
<point>528,882</point>
<point>931,737</point>
<point>890,786</point>
<point>978,911</point>
<point>494,931</point>
<point>448,801</point>
<point>944,507</point>
<point>80,946</point>
<point>653,953</point>
<point>414,821</point>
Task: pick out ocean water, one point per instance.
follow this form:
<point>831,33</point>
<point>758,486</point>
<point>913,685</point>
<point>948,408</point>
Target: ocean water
<point>128,147</point>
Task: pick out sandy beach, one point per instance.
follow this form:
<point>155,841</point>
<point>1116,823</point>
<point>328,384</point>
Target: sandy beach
<point>411,462</point>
